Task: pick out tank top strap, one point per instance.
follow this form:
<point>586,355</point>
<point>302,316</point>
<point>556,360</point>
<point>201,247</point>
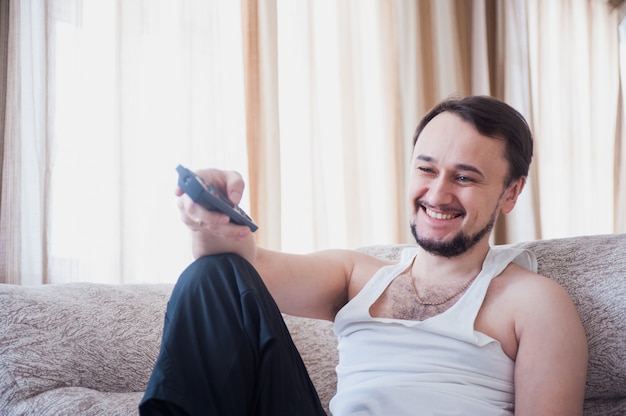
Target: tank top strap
<point>459,319</point>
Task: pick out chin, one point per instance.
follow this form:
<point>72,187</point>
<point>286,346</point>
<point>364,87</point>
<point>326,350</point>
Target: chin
<point>451,247</point>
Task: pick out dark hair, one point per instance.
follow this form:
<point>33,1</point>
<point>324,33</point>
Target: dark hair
<point>492,118</point>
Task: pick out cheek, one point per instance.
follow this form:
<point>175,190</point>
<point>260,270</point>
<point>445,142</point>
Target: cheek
<point>480,208</point>
<point>410,202</point>
<point>414,190</point>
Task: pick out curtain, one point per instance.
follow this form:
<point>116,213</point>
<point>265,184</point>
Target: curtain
<point>260,51</point>
<point>575,92</point>
<point>4,59</point>
<point>112,96</point>
<point>10,224</point>
<point>314,102</point>
<point>620,138</point>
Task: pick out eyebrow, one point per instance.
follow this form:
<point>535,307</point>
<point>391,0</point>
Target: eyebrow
<point>458,166</point>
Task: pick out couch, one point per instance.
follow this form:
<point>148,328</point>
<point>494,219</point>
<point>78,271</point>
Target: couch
<point>88,349</point>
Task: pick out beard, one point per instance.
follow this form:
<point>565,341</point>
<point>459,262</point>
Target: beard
<point>459,244</point>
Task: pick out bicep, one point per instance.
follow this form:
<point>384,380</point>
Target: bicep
<point>551,362</point>
<point>310,285</point>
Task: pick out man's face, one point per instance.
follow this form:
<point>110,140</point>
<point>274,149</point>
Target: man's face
<point>457,186</point>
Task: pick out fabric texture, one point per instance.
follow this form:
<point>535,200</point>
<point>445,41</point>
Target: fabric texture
<point>78,348</point>
<point>89,349</point>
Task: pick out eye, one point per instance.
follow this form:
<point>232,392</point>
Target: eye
<point>465,179</point>
<point>425,169</point>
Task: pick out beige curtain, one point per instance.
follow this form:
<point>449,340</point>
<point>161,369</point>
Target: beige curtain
<point>315,102</point>
<point>396,60</point>
<point>428,50</point>
<point>262,130</point>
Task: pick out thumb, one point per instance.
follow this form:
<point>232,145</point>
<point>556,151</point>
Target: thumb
<point>234,187</point>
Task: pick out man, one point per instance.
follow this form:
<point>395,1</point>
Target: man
<point>456,327</point>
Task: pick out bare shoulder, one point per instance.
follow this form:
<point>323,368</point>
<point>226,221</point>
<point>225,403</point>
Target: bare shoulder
<point>527,291</point>
<point>364,268</point>
<point>532,302</point>
<point>519,277</point>
<point>551,346</point>
<point>533,295</point>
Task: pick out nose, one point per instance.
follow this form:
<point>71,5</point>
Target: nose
<point>440,192</point>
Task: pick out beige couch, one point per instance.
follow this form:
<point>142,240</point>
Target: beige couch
<point>88,349</point>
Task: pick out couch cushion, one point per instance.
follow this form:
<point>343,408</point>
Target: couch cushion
<point>57,338</point>
<point>317,344</point>
<point>77,401</point>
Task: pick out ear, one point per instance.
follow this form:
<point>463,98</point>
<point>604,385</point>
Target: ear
<point>509,197</point>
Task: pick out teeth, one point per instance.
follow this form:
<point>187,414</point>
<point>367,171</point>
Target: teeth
<point>439,215</point>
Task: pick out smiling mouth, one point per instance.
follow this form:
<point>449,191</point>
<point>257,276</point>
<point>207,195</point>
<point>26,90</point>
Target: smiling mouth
<point>440,215</point>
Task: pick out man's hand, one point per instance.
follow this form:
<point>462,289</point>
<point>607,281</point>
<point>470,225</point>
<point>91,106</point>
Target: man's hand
<point>213,232</point>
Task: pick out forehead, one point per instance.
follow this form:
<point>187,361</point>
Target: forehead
<point>448,139</point>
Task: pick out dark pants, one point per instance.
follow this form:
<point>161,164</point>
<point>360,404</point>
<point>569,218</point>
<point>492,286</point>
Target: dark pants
<point>226,349</point>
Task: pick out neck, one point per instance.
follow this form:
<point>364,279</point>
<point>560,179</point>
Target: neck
<point>433,268</point>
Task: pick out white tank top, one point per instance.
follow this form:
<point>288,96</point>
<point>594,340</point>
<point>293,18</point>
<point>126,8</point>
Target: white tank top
<point>439,366</point>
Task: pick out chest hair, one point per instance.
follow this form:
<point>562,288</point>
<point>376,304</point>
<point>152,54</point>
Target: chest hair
<point>398,301</point>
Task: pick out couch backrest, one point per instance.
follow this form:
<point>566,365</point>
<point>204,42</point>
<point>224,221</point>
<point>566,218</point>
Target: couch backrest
<point>107,337</point>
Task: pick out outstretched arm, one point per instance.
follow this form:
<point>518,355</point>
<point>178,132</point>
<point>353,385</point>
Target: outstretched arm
<point>313,285</point>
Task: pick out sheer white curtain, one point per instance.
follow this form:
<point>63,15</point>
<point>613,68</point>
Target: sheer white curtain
<point>575,102</point>
<point>339,158</point>
<point>114,96</point>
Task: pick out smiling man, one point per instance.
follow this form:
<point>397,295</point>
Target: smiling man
<point>456,327</point>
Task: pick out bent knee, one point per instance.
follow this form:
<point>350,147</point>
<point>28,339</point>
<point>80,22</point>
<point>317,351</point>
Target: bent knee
<point>218,272</point>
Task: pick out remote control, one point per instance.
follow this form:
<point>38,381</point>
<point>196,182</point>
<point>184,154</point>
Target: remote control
<point>210,198</point>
